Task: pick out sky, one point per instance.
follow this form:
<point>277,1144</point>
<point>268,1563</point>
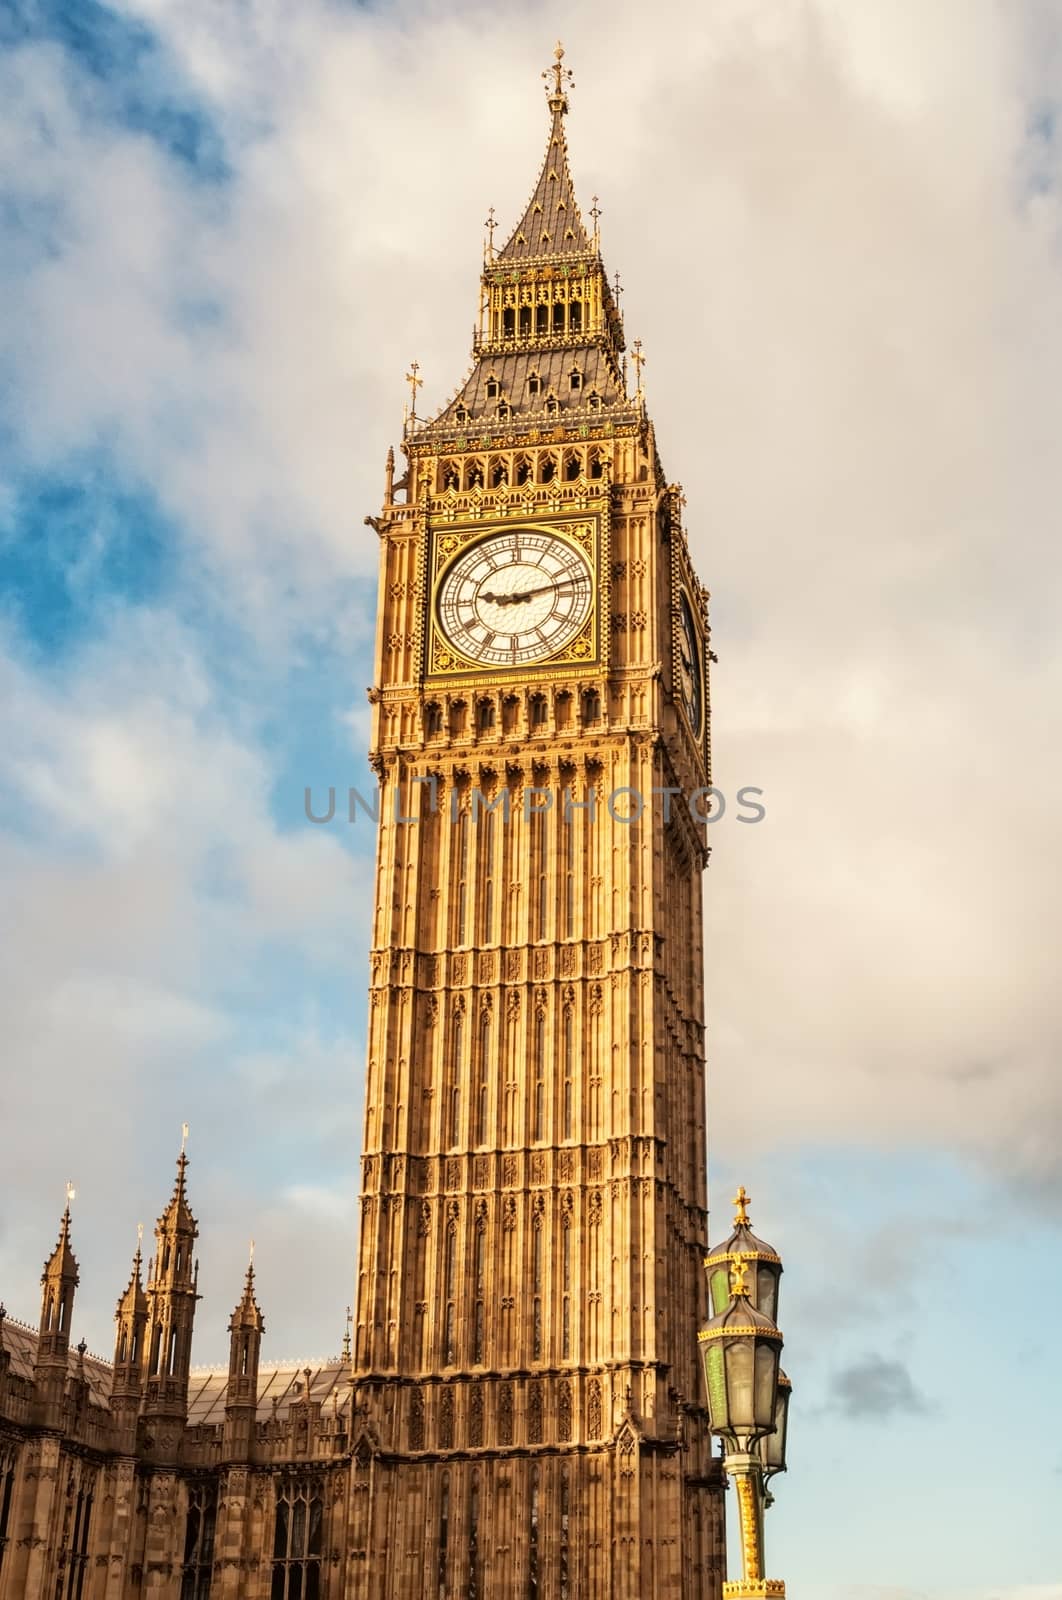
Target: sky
<point>225,232</point>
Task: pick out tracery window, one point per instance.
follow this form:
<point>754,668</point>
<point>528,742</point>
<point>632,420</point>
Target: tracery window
<point>298,1540</point>
<point>75,1553</point>
<point>199,1542</point>
<point>7,1489</point>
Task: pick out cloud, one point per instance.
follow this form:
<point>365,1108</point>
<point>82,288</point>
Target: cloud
<point>876,1388</point>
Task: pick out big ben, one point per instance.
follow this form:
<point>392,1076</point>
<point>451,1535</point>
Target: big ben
<point>529,1411</point>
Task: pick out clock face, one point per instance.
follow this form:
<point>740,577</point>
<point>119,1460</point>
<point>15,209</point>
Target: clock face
<point>515,597</point>
<point>690,664</point>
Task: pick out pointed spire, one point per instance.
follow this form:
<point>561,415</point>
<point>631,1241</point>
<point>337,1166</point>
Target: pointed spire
<point>552,224</point>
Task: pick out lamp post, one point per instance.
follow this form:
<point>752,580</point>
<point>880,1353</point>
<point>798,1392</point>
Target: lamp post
<point>748,1395</point>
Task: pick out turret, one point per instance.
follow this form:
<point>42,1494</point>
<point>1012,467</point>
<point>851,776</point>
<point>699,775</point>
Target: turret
<point>127,1378</point>
<point>172,1292</point>
<point>59,1280</point>
<point>246,1327</point>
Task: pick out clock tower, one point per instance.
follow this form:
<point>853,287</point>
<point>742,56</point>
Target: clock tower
<point>529,1412</point>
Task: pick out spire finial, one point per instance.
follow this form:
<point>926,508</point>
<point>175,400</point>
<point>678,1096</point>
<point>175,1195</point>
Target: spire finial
<point>250,1261</point>
<point>638,359</point>
<point>595,212</point>
<point>742,1201</point>
<point>71,1194</point>
<point>490,225</point>
<point>561,75</point>
<point>415,382</point>
<point>346,1337</point>
<point>184,1136</point>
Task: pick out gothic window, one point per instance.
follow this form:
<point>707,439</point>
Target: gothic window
<point>525,321</point>
<point>298,1539</point>
<point>461,885</point>
<point>485,715</point>
<point>532,1538</point>
<point>493,388</point>
<point>572,466</point>
<point>534,384</point>
<point>558,317</point>
<point>474,475</point>
<point>539,710</point>
<point>563,709</point>
<point>536,1285</point>
<point>591,706</point>
<point>7,1489</point>
<point>461,414</point>
<point>538,1105</point>
<point>433,719</point>
<point>479,1284</point>
<point>454,1099</point>
<point>568,1047</point>
<point>508,326</point>
<point>499,474</point>
<point>458,717</point>
<point>597,464</point>
<point>199,1542</point>
<point>552,405</point>
<point>472,1591</point>
<point>484,1069</point>
<point>523,469</point>
<point>575,379</point>
<point>565,1520</point>
<point>75,1554</point>
<point>444,1531</point>
<point>594,400</point>
<point>575,316</point>
<point>486,827</point>
<point>449,1318</point>
<point>504,412</point>
<point>548,469</point>
<point>542,319</point>
<point>451,476</point>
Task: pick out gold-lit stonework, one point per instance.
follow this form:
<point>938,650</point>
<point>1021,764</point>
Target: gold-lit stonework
<point>533,1191</point>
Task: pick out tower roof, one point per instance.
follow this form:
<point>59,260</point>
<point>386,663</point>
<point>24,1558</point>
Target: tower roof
<point>248,1313</point>
<point>177,1217</point>
<point>133,1299</point>
<point>552,224</point>
<point>62,1262</point>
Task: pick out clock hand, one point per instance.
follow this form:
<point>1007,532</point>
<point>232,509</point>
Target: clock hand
<point>526,594</point>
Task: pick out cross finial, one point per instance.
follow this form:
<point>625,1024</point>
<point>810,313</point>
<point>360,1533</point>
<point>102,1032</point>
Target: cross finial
<point>739,1273</point>
<point>184,1136</point>
<point>742,1201</point>
<point>250,1258</point>
<point>415,382</point>
<point>639,362</point>
<point>595,212</point>
<point>490,225</point>
<point>139,1234</point>
<point>561,75</point>
<point>71,1194</point>
<point>346,1337</point>
<point>617,288</point>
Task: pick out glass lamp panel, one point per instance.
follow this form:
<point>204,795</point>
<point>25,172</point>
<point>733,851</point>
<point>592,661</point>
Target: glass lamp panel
<point>740,1376</point>
<point>767,1292</point>
<point>766,1384</point>
<point>715,1375</point>
<point>719,1284</point>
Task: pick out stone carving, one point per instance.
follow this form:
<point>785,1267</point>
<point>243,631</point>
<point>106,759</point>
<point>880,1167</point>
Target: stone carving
<point>505,1414</point>
<point>446,1420</point>
<point>416,1420</point>
<point>593,1408</point>
<point>534,1413</point>
<point>564,1411</point>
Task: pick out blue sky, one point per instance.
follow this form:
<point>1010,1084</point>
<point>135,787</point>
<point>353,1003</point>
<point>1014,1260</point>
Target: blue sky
<point>224,233</point>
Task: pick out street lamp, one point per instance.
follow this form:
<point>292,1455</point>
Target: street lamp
<point>772,1446</point>
<point>748,1399</point>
